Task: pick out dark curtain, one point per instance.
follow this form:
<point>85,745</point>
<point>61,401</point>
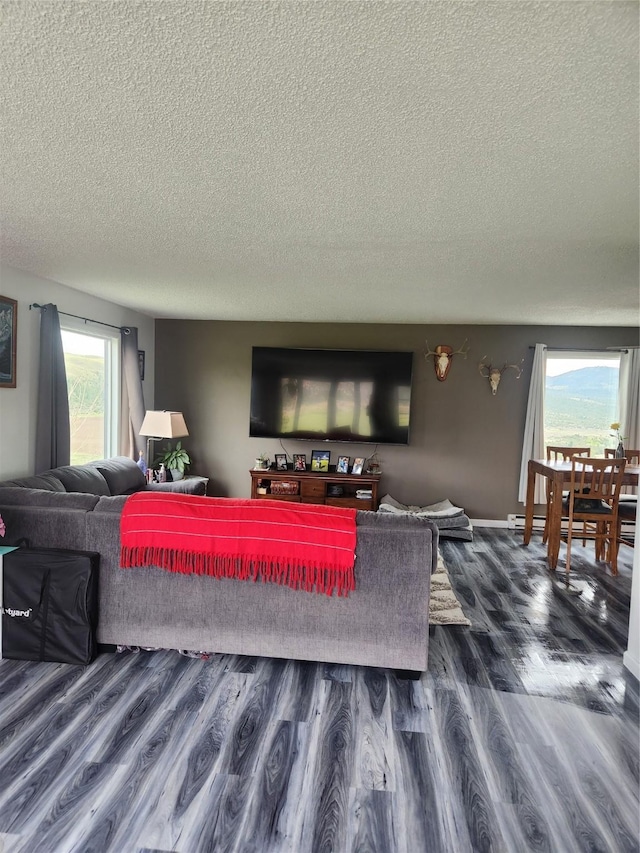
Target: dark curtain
<point>132,396</point>
<point>53,433</point>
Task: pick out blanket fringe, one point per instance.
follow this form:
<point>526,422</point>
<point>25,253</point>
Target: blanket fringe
<point>309,577</point>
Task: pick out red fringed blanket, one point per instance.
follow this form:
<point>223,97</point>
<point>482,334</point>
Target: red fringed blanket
<point>301,545</point>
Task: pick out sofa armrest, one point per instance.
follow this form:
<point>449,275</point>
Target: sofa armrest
<point>390,524</point>
<point>188,486</point>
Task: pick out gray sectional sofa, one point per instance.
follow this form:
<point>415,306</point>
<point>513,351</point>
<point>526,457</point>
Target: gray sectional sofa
<point>384,622</point>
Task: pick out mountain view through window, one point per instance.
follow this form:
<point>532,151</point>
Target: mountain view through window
<point>92,386</point>
<point>581,402</point>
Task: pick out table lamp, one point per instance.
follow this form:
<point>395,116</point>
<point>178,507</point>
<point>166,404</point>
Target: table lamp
<point>157,425</point>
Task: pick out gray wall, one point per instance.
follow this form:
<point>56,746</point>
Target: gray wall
<point>18,406</point>
<point>465,444</point>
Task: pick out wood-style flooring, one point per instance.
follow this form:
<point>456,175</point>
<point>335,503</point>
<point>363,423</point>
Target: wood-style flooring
<point>523,735</point>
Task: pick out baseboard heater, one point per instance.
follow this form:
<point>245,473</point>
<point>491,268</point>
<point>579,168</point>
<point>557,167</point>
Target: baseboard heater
<point>516,522</point>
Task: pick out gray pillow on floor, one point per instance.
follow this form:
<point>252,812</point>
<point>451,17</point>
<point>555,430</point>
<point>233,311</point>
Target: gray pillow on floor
<point>441,509</point>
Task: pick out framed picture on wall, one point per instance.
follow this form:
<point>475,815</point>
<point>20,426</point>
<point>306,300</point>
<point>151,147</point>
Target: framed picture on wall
<point>299,461</point>
<point>320,460</point>
<point>8,335</point>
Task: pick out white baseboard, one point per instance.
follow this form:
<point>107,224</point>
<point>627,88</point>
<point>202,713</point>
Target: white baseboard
<point>632,663</point>
<point>488,522</point>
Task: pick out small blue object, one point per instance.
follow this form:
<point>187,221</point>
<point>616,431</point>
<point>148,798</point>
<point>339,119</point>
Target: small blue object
<point>142,465</point>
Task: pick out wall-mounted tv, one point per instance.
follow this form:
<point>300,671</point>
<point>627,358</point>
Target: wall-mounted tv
<point>331,395</point>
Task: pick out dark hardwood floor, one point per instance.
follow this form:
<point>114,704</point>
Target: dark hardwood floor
<point>523,735</point>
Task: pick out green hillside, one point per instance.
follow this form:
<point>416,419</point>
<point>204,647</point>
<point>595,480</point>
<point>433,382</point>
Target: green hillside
<point>85,381</point>
<point>580,406</point>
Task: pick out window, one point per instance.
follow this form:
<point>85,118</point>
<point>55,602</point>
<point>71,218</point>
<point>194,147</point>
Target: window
<point>92,362</point>
<point>581,399</point>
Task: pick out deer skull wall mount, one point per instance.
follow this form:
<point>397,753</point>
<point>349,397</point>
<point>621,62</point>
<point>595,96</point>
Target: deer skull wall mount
<point>494,374</point>
<point>442,356</point>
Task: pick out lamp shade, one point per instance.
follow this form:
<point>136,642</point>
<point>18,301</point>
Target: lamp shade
<point>164,425</point>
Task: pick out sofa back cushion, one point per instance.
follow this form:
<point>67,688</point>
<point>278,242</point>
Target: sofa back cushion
<point>40,481</point>
<point>122,475</point>
<point>20,496</point>
<point>188,486</point>
<point>82,478</point>
<point>114,504</point>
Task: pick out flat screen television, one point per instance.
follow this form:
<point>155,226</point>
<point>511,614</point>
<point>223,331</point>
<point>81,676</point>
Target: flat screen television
<point>331,395</point>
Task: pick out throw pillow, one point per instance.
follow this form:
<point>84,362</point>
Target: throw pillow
<point>81,478</point>
<point>122,474</point>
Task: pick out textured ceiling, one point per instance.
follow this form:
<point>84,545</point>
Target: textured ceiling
<point>435,162</point>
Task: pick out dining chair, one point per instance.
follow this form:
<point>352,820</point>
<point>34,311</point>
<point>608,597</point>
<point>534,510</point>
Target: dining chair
<point>628,509</point>
<point>593,502</point>
<point>632,456</point>
<point>558,454</point>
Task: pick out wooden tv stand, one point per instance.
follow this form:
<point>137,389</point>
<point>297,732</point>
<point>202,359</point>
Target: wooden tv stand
<point>311,487</point>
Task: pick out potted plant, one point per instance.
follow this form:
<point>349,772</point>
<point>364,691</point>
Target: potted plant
<point>263,462</point>
<point>176,460</point>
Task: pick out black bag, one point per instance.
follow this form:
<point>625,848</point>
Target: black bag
<point>50,605</point>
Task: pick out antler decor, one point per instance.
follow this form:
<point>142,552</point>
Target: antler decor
<point>494,374</point>
<point>442,356</point>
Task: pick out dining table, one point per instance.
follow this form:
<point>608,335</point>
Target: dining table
<point>559,475</point>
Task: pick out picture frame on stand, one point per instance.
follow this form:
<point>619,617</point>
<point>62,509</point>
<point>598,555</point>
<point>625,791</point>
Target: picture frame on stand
<point>343,465</point>
<point>320,460</point>
<point>358,465</point>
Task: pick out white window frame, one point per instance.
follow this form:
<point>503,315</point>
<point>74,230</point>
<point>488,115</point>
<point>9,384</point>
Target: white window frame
<point>112,384</point>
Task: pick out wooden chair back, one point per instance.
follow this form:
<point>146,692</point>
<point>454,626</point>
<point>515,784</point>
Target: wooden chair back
<point>593,502</point>
<point>632,456</point>
<point>558,454</point>
<point>599,480</point>
<point>564,454</point>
